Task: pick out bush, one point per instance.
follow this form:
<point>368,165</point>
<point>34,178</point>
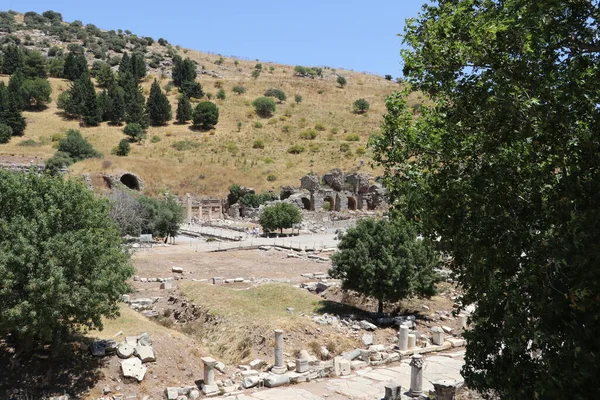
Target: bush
<point>341,81</point>
<point>296,149</point>
<point>352,137</point>
<point>277,93</point>
<point>271,177</point>
<point>258,144</point>
<point>221,94</point>
<point>268,160</point>
<point>28,143</point>
<point>239,90</point>
<point>388,77</point>
<point>361,151</point>
<point>76,146</point>
<point>344,147</point>
<point>258,67</point>
<point>361,106</point>
<point>135,131</point>
<point>155,139</point>
<point>258,125</point>
<point>256,73</point>
<point>264,106</point>
<point>183,145</point>
<point>320,127</point>
<point>206,115</point>
<point>59,160</point>
<point>5,133</point>
<point>298,99</point>
<point>123,148</point>
<point>309,134</point>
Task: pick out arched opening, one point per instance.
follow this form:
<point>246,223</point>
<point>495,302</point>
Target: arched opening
<point>130,181</point>
<point>351,204</point>
<point>306,203</point>
<point>328,204</point>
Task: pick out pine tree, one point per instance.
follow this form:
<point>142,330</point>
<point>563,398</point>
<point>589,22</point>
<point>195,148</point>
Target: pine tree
<point>13,59</point>
<point>184,109</point>
<point>75,66</point>
<point>84,102</point>
<point>104,105</point>
<point>183,71</point>
<point>15,89</point>
<point>138,66</point>
<point>135,104</point>
<point>125,64</point>
<point>158,106</point>
<point>9,113</point>
<point>116,111</point>
<point>105,77</point>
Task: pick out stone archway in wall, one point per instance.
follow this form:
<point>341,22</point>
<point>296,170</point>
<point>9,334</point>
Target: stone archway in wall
<point>352,204</point>
<point>131,181</point>
<point>331,201</point>
<point>306,203</point>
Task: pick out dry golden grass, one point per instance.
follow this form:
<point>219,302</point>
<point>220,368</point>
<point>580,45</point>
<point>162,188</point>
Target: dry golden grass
<point>225,156</point>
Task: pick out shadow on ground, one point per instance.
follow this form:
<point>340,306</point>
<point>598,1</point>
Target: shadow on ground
<point>41,374</point>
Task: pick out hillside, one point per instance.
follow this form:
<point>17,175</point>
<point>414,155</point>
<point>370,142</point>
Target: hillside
<point>178,159</point>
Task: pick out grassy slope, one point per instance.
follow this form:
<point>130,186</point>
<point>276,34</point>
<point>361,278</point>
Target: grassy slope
<point>224,155</point>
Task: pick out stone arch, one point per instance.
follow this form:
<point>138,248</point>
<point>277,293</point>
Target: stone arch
<point>131,181</point>
<point>306,203</point>
<point>352,203</point>
<point>331,201</point>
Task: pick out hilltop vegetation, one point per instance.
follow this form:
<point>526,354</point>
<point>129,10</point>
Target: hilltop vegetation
<point>206,151</point>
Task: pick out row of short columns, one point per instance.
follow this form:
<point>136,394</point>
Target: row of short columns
<point>408,341</point>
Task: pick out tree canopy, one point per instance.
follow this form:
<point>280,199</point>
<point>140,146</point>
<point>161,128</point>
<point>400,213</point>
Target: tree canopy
<point>279,216</point>
<point>62,265</point>
<point>503,167</point>
<point>385,260</point>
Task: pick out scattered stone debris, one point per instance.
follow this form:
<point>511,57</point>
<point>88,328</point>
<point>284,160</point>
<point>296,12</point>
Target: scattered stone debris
<point>138,346</point>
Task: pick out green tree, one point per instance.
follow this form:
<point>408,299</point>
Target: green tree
<point>58,161</point>
<point>277,93</point>
<point>75,66</point>
<point>125,65</point>
<point>68,268</point>
<point>56,67</point>
<point>279,216</point>
<point>264,106</point>
<point>183,71</point>
<point>10,114</point>
<point>221,94</point>
<point>206,115</point>
<point>36,92</point>
<point>158,106</point>
<point>76,146</point>
<point>105,76</point>
<point>34,65</point>
<point>5,133</point>
<point>237,89</point>
<point>116,110</point>
<point>161,217</point>
<point>298,99</point>
<point>192,89</point>
<point>361,106</point>
<point>15,88</point>
<point>123,148</point>
<point>138,66</point>
<point>134,101</point>
<point>256,73</point>
<point>104,105</point>
<point>83,102</point>
<point>385,260</point>
<point>184,109</point>
<point>135,131</point>
<point>502,167</point>
<point>341,81</point>
<point>13,59</point>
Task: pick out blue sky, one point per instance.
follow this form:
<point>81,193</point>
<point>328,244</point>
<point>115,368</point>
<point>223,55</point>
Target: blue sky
<point>358,35</point>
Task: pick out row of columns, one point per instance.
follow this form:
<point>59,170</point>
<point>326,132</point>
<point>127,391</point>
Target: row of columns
<point>189,209</point>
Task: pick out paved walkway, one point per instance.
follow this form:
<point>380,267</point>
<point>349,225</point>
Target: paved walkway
<point>368,383</point>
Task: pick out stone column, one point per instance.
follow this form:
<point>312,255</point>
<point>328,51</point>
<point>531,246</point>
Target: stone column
<point>209,386</point>
<point>437,335</point>
<point>412,341</point>
<point>279,368</point>
<point>200,213</point>
<point>445,389</point>
<point>403,338</point>
<point>416,376</point>
<point>220,212</point>
<point>189,207</point>
<point>210,212</point>
<point>393,391</point>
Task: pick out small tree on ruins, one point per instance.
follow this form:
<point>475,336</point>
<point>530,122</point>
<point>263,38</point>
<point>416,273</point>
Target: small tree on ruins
<point>385,260</point>
<point>279,216</point>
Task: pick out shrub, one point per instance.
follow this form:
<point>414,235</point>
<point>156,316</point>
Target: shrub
<point>361,151</point>
<point>206,115</point>
<point>28,143</point>
<point>232,148</point>
<point>296,149</point>
<point>123,148</point>
<point>352,137</point>
<point>264,106</point>
<point>76,146</point>
<point>286,128</point>
<point>314,147</point>
<point>298,99</point>
<point>258,125</point>
<point>361,106</point>
<point>256,73</point>
<point>344,147</point>
<point>155,139</point>
<point>309,134</point>
<point>271,178</point>
<point>221,94</point>
<point>268,160</point>
<point>183,145</point>
<point>277,93</point>
<point>320,127</point>
<point>239,90</point>
<point>58,161</point>
<point>341,81</point>
<point>335,131</point>
<point>258,67</point>
<point>258,144</point>
<point>135,131</point>
<point>219,61</point>
<point>388,77</point>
